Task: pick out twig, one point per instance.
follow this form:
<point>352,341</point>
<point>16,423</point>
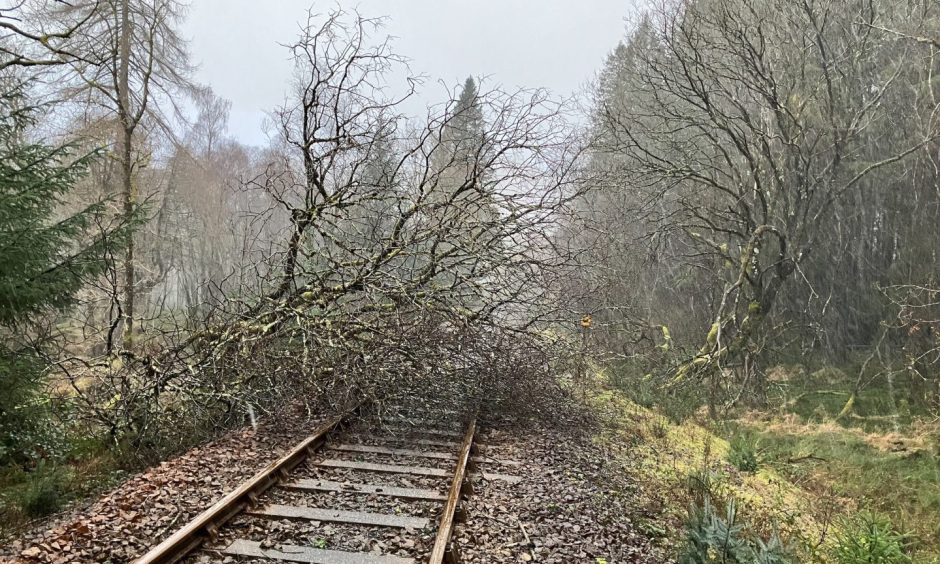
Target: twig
<point>807,457</point>
<point>528,542</point>
<point>169,525</point>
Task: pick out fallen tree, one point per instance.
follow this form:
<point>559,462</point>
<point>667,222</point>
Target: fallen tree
<point>390,257</point>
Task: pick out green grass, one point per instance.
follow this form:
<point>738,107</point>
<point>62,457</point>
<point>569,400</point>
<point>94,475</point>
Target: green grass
<point>883,457</point>
<point>820,396</point>
<point>903,486</point>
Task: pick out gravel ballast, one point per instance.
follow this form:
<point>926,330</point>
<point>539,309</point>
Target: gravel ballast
<point>571,505</point>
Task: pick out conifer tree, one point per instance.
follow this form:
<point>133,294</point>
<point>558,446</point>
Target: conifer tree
<point>466,128</point>
<point>46,255</point>
<point>472,211</point>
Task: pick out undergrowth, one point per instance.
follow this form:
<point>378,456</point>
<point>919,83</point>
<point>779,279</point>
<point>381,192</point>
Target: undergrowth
<point>825,490</point>
<point>712,537</point>
<point>67,464</point>
<point>29,492</point>
<point>742,453</point>
<point>870,539</point>
<point>897,480</point>
<point>678,462</point>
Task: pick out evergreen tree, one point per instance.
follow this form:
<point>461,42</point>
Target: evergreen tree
<point>378,191</point>
<point>465,152</point>
<point>45,256</point>
<point>470,218</point>
<point>622,66</point>
<point>465,130</point>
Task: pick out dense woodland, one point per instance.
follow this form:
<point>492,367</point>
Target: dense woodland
<point>768,191</point>
<point>746,203</point>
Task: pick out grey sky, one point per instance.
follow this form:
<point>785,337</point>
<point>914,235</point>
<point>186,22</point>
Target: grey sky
<point>557,44</point>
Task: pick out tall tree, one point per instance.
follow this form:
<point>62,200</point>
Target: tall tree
<point>133,63</point>
<point>743,133</point>
<point>202,209</point>
<point>462,135</point>
<point>28,41</point>
<point>470,206</point>
<point>46,254</point>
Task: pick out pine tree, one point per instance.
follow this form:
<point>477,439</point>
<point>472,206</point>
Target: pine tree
<point>471,215</point>
<point>621,67</point>
<point>45,256</point>
<point>378,190</point>
<point>465,130</point>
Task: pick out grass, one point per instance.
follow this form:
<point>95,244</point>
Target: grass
<point>882,457</point>
<point>819,396</point>
<point>865,470</point>
<point>795,468</point>
<point>670,457</point>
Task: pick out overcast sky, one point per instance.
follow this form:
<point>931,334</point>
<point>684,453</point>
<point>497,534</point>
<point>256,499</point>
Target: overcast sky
<point>557,44</point>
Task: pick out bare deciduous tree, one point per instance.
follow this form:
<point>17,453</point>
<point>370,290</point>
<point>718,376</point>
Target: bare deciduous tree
<point>131,63</point>
<point>740,130</point>
<point>394,263</point>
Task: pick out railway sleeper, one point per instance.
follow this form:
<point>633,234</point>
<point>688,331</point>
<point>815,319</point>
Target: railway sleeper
<point>340,516</point>
<point>306,484</point>
<point>309,555</point>
<point>465,451</point>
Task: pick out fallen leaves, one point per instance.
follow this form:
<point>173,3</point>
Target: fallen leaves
<point>572,506</point>
<point>126,521</point>
<point>562,512</point>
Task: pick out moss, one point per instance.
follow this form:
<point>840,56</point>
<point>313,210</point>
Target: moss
<point>668,453</point>
<point>712,336</point>
<point>848,408</point>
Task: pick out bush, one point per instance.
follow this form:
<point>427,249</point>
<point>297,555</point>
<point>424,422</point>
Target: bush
<point>41,493</point>
<point>870,539</point>
<point>743,453</point>
<point>41,499</point>
<point>25,433</point>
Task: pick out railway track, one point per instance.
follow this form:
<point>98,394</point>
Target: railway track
<point>346,494</point>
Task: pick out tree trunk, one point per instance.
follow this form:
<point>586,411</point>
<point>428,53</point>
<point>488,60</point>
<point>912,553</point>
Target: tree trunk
<point>128,195</point>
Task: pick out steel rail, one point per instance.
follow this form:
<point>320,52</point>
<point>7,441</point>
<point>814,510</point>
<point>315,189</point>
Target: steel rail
<point>207,524</point>
<point>444,552</point>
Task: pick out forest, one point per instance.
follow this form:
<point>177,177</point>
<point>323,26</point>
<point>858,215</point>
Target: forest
<point>719,258</point>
